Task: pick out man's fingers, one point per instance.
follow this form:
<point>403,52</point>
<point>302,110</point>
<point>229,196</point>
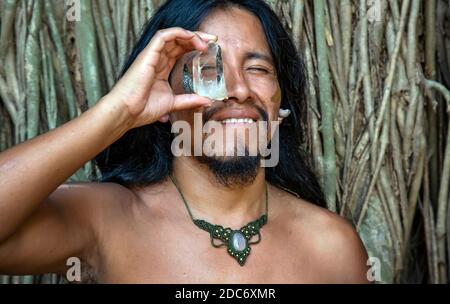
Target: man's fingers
<point>189,101</point>
<point>189,40</point>
<point>206,37</point>
<point>183,46</point>
<point>178,52</point>
<point>174,42</point>
<point>163,37</point>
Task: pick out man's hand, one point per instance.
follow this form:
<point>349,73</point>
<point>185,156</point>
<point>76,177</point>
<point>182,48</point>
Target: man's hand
<point>145,89</point>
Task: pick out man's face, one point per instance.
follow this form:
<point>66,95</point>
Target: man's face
<point>251,80</point>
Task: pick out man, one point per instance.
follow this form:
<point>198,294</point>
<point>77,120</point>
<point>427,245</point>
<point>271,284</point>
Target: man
<point>156,218</point>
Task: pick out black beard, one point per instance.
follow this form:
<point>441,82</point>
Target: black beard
<point>232,171</point>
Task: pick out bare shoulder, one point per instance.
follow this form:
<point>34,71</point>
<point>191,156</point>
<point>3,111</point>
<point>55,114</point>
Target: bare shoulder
<point>90,195</point>
<point>330,240</point>
<point>92,189</point>
<point>88,203</point>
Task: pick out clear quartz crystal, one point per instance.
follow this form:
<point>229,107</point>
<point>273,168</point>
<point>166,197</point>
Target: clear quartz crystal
<point>207,74</point>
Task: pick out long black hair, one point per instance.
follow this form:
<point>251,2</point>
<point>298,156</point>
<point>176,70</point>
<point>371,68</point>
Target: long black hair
<point>143,156</point>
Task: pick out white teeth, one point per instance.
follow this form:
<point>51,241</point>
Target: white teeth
<point>238,120</point>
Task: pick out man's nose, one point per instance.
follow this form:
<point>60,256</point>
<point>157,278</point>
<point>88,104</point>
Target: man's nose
<point>237,85</point>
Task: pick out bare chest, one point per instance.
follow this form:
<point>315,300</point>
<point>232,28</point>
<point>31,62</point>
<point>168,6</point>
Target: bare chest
<point>171,252</point>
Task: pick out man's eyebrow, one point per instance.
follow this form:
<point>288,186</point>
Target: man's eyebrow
<point>258,55</point>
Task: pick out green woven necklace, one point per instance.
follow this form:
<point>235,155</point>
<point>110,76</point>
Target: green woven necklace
<point>237,241</point>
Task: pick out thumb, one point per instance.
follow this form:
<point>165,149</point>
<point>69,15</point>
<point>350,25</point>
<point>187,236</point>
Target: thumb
<point>188,101</point>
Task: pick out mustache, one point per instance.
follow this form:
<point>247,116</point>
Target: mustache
<point>211,111</point>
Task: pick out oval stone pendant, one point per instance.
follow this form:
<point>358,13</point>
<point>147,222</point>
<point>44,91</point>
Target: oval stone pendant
<point>238,241</point>
<point>238,246</point>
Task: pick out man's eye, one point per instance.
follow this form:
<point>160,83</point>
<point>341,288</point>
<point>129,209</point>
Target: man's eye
<point>259,70</point>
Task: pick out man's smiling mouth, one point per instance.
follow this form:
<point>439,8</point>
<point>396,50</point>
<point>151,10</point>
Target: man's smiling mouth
<point>237,120</point>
